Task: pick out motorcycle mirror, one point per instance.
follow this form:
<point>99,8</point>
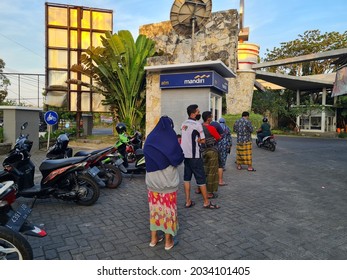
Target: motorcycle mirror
<point>24,125</point>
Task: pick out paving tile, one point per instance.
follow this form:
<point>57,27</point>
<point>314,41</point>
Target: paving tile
<point>292,207</point>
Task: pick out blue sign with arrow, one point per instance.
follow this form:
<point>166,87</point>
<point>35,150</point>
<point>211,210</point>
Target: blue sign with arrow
<point>51,117</point>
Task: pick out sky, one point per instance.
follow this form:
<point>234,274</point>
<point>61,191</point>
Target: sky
<point>271,22</point>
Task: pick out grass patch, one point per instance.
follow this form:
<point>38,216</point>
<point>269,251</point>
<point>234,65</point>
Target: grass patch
<point>103,138</point>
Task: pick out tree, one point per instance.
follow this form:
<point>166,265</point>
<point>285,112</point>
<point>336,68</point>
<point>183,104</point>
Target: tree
<point>312,41</point>
<point>4,82</point>
<point>268,101</point>
<point>117,69</point>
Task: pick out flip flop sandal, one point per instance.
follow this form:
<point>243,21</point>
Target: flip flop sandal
<point>223,184</point>
<point>251,170</point>
<point>192,203</point>
<point>239,167</point>
<point>160,239</point>
<point>211,206</point>
<point>175,242</point>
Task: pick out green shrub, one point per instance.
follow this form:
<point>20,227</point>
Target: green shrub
<point>342,135</point>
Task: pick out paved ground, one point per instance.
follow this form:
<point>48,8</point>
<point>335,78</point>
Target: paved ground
<point>293,207</point>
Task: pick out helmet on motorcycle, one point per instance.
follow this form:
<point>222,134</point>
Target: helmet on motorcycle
<point>121,127</point>
<point>265,119</point>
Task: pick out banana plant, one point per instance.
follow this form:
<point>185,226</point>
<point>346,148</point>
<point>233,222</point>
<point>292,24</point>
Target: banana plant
<point>117,70</point>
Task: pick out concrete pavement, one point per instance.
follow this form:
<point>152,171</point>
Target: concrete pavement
<point>293,207</point>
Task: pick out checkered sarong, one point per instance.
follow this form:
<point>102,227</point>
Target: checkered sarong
<point>244,153</point>
<point>210,157</point>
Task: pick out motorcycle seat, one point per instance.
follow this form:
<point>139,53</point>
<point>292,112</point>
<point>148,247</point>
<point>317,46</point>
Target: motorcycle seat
<point>87,153</point>
<point>50,164</point>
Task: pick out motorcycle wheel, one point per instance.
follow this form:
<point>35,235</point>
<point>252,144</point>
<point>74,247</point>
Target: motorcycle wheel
<point>272,147</point>
<point>113,176</point>
<point>13,246</point>
<point>88,189</point>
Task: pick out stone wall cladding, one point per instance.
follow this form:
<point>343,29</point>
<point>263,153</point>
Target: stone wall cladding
<point>216,40</point>
<point>240,99</point>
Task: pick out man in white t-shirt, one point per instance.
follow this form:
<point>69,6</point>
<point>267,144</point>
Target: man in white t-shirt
<point>192,136</point>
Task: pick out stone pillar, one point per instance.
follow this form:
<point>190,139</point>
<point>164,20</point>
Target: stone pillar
<point>239,98</point>
<point>324,98</point>
<point>153,100</point>
<point>298,104</point>
<point>15,117</point>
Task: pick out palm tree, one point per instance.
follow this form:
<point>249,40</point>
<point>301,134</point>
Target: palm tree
<point>118,74</point>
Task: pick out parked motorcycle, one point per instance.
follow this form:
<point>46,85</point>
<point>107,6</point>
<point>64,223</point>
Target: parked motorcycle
<point>67,179</point>
<point>60,148</point>
<point>109,175</point>
<point>134,159</point>
<point>268,143</point>
<point>110,162</point>
<point>135,143</point>
<point>136,167</point>
<point>14,223</point>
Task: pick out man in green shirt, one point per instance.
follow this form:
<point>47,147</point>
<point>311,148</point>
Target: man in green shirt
<point>264,130</point>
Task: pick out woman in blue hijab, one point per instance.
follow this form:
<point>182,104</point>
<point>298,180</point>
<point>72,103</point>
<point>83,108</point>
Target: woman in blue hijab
<point>163,154</point>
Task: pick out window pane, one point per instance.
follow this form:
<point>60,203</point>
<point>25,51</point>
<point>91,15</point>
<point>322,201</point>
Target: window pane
<point>73,39</point>
<point>97,103</point>
<point>85,79</point>
<point>57,37</point>
<point>73,76</point>
<point>57,59</point>
<point>73,101</point>
<point>57,16</point>
<point>73,17</point>
<point>73,58</point>
<point>85,44</point>
<point>85,100</point>
<point>57,78</point>
<point>102,21</point>
<point>85,21</point>
<point>96,39</point>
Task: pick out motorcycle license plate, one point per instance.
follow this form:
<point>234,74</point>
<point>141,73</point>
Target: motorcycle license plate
<point>93,171</point>
<point>19,217</point>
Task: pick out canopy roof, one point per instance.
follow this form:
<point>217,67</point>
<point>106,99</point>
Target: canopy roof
<point>302,83</point>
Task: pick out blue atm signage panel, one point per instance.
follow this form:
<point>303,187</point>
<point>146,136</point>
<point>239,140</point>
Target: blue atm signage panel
<point>194,80</point>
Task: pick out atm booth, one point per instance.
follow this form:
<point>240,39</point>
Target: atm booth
<point>172,88</point>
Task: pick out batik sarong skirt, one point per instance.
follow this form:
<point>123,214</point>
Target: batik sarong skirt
<point>163,212</point>
<point>244,153</point>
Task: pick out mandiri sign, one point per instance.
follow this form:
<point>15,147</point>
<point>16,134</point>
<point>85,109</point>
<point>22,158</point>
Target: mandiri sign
<point>194,80</point>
